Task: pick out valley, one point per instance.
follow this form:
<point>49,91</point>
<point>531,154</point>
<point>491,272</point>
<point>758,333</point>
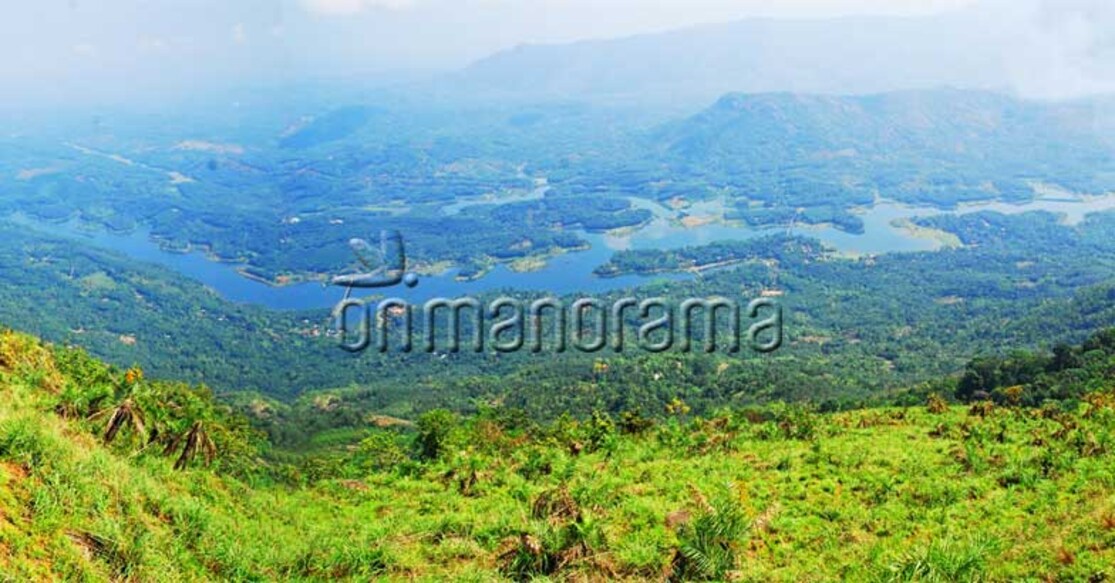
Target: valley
<point>888,229</point>
<point>400,290</point>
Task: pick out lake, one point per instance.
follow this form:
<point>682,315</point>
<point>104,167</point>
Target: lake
<point>568,273</point>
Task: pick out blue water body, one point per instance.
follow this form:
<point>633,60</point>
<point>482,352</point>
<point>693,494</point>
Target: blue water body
<point>564,274</point>
<point>880,236</point>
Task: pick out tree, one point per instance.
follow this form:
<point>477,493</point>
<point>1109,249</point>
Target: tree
<point>1103,340</point>
<point>1064,358</point>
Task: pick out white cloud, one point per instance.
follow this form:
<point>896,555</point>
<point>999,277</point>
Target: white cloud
<point>1061,48</point>
<point>349,7</point>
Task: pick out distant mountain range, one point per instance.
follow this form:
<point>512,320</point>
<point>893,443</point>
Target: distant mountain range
<point>936,146</point>
<point>936,123</point>
<point>837,56</point>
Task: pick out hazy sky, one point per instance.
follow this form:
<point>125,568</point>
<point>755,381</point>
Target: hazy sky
<point>54,50</point>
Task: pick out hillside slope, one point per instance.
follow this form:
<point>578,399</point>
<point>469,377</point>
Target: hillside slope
<point>937,493</point>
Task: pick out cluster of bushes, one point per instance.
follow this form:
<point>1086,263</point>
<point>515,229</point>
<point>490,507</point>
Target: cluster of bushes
<point>132,414</point>
<point>1032,379</point>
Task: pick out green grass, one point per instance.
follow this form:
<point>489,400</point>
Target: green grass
<point>896,494</point>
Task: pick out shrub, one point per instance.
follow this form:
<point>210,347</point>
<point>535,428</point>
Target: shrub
<point>563,535</point>
<point>936,404</point>
<point>944,561</point>
<point>634,423</point>
<point>797,422</point>
<point>378,452</point>
<point>600,431</point>
<point>434,428</point>
<point>709,543</point>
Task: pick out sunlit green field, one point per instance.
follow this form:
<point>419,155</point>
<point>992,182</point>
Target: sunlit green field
<point>922,493</point>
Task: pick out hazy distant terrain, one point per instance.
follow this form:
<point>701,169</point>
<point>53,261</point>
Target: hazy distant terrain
<point>282,191</point>
<point>850,55</point>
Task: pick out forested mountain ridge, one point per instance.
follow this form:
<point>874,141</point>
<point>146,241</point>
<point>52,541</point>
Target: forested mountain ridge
<point>938,148</point>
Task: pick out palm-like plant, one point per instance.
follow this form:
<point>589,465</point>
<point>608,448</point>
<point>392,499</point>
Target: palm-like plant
<point>168,415</point>
<point>193,442</point>
<point>127,414</point>
<point>708,546</point>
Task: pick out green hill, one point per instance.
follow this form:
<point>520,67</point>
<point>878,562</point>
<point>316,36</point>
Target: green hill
<point>89,488</point>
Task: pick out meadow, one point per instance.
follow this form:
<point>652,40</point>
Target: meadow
<point>936,491</point>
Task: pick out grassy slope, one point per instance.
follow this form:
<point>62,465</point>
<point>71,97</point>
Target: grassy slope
<point>880,494</point>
